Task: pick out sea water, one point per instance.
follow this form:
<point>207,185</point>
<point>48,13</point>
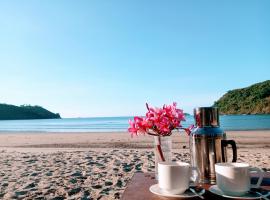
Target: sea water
<point>116,124</point>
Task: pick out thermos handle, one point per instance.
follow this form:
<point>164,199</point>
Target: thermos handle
<point>225,143</point>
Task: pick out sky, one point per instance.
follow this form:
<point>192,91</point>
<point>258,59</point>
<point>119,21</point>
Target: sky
<point>108,58</point>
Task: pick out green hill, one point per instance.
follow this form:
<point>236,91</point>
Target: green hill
<point>10,112</point>
<point>254,99</point>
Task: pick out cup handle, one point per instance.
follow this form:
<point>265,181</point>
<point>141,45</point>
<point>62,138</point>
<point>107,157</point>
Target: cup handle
<point>260,172</point>
<point>194,177</point>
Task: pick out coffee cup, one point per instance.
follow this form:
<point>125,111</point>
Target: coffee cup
<point>234,178</point>
<point>175,177</point>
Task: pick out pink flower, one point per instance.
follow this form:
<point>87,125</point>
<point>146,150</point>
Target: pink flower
<point>161,121</point>
<point>132,128</point>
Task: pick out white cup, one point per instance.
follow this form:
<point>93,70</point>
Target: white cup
<point>234,178</point>
<point>175,177</point>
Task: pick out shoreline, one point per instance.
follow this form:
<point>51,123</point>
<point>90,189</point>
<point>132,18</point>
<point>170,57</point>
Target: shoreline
<point>123,140</point>
<point>109,131</point>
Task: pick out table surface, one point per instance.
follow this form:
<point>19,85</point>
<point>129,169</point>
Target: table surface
<point>138,188</point>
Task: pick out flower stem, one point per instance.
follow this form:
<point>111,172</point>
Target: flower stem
<point>160,150</point>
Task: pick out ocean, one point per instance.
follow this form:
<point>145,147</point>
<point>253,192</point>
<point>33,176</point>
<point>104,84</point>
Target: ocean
<point>115,124</point>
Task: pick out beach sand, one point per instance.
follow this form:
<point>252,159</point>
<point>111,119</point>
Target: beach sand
<point>95,165</point>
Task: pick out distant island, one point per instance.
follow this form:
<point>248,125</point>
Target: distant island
<point>254,99</point>
<point>11,112</point>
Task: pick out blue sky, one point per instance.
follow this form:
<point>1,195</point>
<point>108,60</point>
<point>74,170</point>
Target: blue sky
<point>107,58</point>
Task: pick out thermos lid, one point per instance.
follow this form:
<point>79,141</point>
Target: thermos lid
<point>206,117</point>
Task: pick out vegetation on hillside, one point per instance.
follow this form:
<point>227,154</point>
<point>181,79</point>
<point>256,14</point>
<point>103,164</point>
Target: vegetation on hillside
<point>11,112</point>
<point>254,99</point>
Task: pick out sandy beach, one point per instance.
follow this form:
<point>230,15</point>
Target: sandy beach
<point>95,165</point>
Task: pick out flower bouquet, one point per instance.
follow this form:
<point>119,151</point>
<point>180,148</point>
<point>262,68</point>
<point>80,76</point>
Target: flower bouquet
<point>158,122</point>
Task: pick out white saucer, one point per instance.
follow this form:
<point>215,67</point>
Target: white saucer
<point>156,190</point>
<point>249,195</point>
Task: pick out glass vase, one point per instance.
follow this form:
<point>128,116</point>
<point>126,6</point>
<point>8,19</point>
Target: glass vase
<point>162,150</point>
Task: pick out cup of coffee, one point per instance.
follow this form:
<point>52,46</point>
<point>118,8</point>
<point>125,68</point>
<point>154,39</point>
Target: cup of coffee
<point>234,178</point>
<point>175,177</point>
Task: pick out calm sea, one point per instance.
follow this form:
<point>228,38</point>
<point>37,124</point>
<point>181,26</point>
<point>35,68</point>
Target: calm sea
<point>113,124</point>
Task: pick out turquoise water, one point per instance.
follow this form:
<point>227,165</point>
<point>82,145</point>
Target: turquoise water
<point>108,124</point>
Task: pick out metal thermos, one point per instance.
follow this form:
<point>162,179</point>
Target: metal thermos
<point>208,144</point>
